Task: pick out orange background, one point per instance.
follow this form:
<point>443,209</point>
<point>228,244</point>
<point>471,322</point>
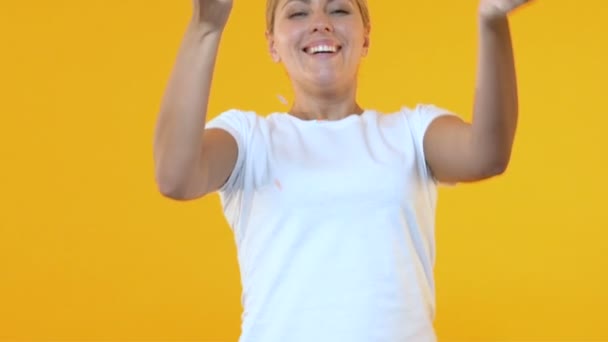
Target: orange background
<point>89,250</point>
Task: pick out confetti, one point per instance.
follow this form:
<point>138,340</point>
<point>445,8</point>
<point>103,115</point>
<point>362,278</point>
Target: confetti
<point>282,99</point>
<point>278,184</point>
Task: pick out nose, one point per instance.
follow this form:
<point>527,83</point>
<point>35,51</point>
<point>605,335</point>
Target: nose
<point>321,23</point>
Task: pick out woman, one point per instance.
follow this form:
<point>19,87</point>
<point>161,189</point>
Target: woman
<point>332,205</point>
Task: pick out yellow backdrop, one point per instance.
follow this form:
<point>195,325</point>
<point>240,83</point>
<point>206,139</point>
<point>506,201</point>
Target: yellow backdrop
<point>89,250</point>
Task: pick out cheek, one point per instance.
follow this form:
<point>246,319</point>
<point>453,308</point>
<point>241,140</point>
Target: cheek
<point>349,32</point>
<point>289,34</point>
<point>358,44</point>
<point>287,45</point>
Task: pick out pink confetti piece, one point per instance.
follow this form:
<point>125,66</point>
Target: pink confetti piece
<point>282,99</point>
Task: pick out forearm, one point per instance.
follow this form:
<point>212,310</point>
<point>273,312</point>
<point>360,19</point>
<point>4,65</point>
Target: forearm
<point>182,116</point>
<point>496,102</point>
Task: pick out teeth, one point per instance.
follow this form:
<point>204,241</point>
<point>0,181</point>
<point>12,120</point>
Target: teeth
<point>322,48</point>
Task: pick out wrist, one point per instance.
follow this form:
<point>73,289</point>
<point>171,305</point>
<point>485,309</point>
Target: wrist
<point>495,23</point>
<point>199,30</point>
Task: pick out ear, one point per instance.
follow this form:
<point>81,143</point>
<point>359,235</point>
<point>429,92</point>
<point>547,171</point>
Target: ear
<point>366,41</point>
<point>271,49</point>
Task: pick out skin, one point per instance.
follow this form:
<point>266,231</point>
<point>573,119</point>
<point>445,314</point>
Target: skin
<point>465,152</point>
<point>326,88</point>
<point>191,161</point>
<point>323,87</point>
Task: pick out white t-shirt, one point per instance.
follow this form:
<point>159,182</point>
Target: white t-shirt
<point>334,226</point>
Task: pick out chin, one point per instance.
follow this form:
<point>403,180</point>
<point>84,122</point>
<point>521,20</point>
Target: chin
<point>326,80</point>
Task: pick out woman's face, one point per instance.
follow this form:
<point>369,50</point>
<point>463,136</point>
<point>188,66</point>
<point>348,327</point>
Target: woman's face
<point>319,42</point>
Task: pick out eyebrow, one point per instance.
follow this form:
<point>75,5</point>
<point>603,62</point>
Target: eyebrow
<point>306,2</point>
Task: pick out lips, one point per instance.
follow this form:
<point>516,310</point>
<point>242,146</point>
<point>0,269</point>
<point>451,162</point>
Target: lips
<point>322,46</point>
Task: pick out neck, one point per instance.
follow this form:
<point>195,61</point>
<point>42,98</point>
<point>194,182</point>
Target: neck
<point>325,104</point>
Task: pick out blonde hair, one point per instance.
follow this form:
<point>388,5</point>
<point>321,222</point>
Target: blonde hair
<point>271,8</point>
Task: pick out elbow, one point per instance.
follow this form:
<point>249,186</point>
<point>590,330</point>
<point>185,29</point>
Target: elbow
<point>176,194</point>
<point>164,183</point>
<point>499,169</point>
<point>494,168</point>
<point>494,161</point>
<point>174,183</point>
<point>174,190</point>
<point>169,190</point>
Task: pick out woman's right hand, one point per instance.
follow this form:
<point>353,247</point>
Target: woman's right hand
<point>211,14</point>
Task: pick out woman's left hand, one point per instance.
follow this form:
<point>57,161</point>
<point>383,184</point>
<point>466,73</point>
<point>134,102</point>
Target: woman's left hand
<point>490,10</point>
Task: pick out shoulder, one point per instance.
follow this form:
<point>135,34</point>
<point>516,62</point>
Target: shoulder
<point>423,111</point>
<point>418,116</point>
<point>234,115</point>
<point>240,120</point>
<point>248,115</point>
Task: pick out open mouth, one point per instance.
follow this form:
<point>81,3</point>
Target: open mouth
<point>322,49</point>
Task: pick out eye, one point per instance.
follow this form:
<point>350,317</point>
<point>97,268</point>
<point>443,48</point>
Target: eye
<point>340,11</point>
<point>296,15</point>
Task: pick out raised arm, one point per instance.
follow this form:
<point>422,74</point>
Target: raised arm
<point>461,152</point>
<point>188,162</point>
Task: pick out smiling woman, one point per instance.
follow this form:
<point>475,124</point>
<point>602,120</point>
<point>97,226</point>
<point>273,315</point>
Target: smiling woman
<point>320,44</point>
<point>333,218</point>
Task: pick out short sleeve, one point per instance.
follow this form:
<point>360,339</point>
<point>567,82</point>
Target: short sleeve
<point>239,125</point>
<point>419,121</point>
